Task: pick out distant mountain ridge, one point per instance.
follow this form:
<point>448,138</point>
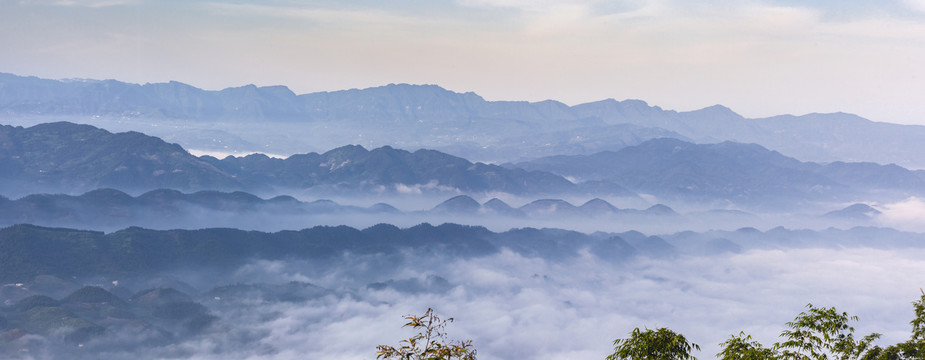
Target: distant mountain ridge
<point>71,158</point>
<point>165,208</point>
<point>354,167</point>
<point>428,116</point>
<point>544,208</point>
<point>34,96</point>
<point>29,251</point>
<point>110,209</point>
<point>742,173</point>
<point>56,156</point>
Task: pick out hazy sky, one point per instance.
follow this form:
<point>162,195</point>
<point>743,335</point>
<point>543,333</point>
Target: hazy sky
<point>761,57</point>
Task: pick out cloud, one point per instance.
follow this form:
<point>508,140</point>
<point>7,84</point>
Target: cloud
<point>908,214</point>
<point>517,307</point>
<point>338,17</point>
<point>83,3</point>
<point>513,306</point>
<point>542,6</point>
<point>418,189</point>
<point>917,5</point>
<point>223,154</point>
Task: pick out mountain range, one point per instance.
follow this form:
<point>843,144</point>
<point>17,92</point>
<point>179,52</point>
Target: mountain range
<point>93,294</point>
<point>26,251</point>
<point>175,222</point>
<point>353,167</point>
<point>732,171</point>
<point>544,208</point>
<point>72,159</point>
<point>428,116</point>
<point>110,209</point>
<point>68,157</point>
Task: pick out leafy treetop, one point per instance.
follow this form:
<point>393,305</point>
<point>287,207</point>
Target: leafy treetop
<point>430,343</point>
<point>659,344</point>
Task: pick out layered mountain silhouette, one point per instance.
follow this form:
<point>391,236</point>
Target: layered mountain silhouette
<point>543,208</point>
<point>738,172</point>
<point>71,158</point>
<point>165,208</point>
<point>56,281</point>
<point>168,215</point>
<point>110,209</point>
<point>354,167</point>
<point>34,96</point>
<point>416,116</point>
<point>68,158</point>
<point>61,155</point>
<point>27,255</point>
<point>154,315</point>
<point>133,251</point>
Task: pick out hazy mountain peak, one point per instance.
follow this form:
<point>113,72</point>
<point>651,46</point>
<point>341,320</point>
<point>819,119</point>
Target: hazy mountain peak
<point>107,194</point>
<point>458,204</point>
<point>612,103</point>
<point>635,103</point>
<point>661,209</point>
<point>715,111</point>
<point>171,83</point>
<point>248,87</point>
<point>432,87</point>
<point>857,212</point>
<point>400,89</point>
<point>494,202</point>
<point>255,92</point>
<point>598,205</point>
<point>346,150</point>
<point>550,207</point>
<point>277,90</point>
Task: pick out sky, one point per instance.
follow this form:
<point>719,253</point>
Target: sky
<point>759,57</point>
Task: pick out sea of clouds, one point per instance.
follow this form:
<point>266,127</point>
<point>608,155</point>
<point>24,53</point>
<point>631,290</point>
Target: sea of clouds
<point>516,307</point>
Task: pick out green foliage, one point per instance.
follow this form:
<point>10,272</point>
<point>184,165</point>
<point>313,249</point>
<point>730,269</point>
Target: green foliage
<point>914,348</point>
<point>822,334</point>
<point>742,347</point>
<point>918,324</point>
<point>659,344</point>
<point>429,344</point>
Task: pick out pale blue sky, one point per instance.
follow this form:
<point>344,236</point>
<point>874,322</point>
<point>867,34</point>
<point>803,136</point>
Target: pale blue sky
<point>761,57</point>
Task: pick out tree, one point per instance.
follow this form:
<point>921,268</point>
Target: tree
<point>914,348</point>
<point>742,347</point>
<point>823,334</point>
<point>659,344</point>
<point>918,324</point>
<point>430,343</point>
